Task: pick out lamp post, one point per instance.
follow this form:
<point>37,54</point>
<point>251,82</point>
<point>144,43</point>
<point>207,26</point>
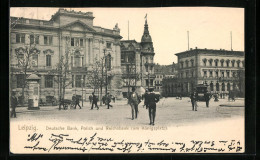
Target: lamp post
<point>82,81</point>
<point>106,75</point>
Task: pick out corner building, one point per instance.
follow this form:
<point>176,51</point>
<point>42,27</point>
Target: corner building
<point>137,60</point>
<point>221,70</point>
<point>66,31</point>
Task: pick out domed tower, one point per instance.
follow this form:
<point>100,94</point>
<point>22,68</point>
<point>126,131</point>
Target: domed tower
<point>146,42</point>
<point>147,56</point>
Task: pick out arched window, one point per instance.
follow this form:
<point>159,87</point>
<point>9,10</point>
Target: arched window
<point>216,62</point>
<point>187,63</point>
<point>211,86</point>
<point>223,86</point>
<point>204,61</point>
<point>217,86</point>
<point>228,86</point>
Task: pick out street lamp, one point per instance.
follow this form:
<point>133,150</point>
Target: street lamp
<point>82,81</point>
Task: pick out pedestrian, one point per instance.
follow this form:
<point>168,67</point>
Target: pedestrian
<point>90,99</point>
<point>108,99</point>
<point>14,103</point>
<point>77,102</point>
<point>134,100</point>
<point>207,98</point>
<point>194,100</point>
<point>94,101</point>
<point>152,100</point>
<point>145,98</point>
<point>180,97</point>
<point>73,101</point>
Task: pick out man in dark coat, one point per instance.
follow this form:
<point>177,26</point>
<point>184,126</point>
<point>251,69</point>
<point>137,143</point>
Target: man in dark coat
<point>90,99</point>
<point>77,102</point>
<point>94,101</point>
<point>207,98</point>
<point>134,100</point>
<point>14,103</point>
<point>108,99</point>
<point>194,98</point>
<point>145,98</point>
<point>152,99</point>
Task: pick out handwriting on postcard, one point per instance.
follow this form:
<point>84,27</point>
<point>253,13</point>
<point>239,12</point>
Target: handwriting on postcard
<point>96,143</point>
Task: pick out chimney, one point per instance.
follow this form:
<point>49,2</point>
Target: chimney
<point>190,48</point>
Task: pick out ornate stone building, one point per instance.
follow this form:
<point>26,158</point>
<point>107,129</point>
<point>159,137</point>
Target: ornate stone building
<point>66,31</point>
<point>137,60</point>
<point>220,70</point>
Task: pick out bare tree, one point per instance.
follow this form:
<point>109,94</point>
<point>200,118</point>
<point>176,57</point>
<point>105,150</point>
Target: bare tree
<point>63,72</point>
<point>95,76</point>
<point>25,63</point>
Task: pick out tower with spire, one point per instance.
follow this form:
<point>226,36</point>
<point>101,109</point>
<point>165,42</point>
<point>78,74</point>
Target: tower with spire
<point>147,57</point>
<point>137,62</point>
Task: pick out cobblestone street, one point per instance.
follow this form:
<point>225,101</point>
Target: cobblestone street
<point>170,112</point>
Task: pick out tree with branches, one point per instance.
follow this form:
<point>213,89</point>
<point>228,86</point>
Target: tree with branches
<point>24,56</point>
<point>96,77</point>
<point>63,72</point>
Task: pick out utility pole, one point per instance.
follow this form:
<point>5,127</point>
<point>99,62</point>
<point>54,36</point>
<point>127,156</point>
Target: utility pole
<point>231,40</point>
<point>188,40</point>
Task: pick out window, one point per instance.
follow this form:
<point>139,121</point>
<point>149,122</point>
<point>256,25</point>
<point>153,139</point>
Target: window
<point>108,62</point>
<point>227,63</point>
<point>228,74</point>
<point>238,64</point>
<point>233,63</point>
<point>187,74</point>
<point>81,42</point>
<point>49,81</point>
<point>20,38</point>
<point>222,63</point>
<point>77,61</point>
<point>20,80</point>
<point>210,62</point>
<point>217,87</point>
<point>211,86</point>
<point>222,74</point>
<point>108,45</point>
<point>228,86</point>
<point>216,63</point>
<point>192,63</point>
<point>181,75</point>
<point>191,73</point>
<point>72,41</point>
<point>223,87</point>
<point>216,73</point>
<point>205,62</point>
<point>36,39</point>
<point>151,68</point>
<point>76,41</point>
<point>35,60</point>
<point>78,81</point>
<point>31,39</point>
<point>181,64</point>
<point>205,73</point>
<point>146,59</point>
<point>47,40</point>
<point>187,64</point>
<point>210,73</point>
<point>48,60</point>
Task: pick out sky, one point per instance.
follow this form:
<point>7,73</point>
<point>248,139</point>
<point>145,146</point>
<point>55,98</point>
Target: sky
<point>209,27</point>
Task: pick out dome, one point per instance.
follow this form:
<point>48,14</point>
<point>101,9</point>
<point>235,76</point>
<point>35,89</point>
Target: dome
<point>146,38</point>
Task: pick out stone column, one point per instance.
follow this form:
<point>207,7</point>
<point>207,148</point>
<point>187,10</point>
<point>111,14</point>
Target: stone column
<point>86,51</point>
<point>91,51</point>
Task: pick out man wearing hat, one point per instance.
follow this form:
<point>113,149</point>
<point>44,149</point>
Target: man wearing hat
<point>152,99</point>
<point>193,98</point>
<point>134,100</point>
<point>14,103</point>
<point>94,101</point>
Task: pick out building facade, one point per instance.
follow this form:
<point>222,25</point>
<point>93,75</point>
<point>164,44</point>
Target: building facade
<point>164,72</point>
<point>66,32</point>
<point>137,61</point>
<point>220,70</point>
